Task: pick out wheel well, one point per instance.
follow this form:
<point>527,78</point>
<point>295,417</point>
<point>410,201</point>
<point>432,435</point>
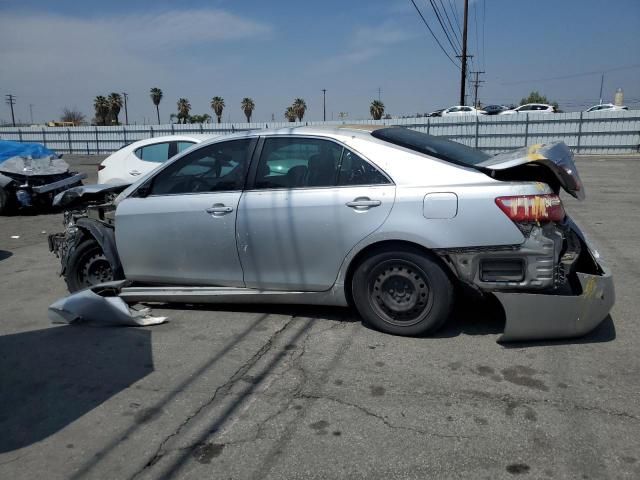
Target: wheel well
<point>388,245</point>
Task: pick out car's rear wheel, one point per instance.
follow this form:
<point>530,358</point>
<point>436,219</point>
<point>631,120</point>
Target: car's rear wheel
<point>402,292</point>
<point>87,266</point>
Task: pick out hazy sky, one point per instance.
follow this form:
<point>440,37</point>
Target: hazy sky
<point>62,53</point>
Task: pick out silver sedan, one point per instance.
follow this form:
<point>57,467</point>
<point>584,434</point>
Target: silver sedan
<point>389,220</point>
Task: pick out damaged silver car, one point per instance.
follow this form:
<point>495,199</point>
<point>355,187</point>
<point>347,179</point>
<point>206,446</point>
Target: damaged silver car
<point>389,220</point>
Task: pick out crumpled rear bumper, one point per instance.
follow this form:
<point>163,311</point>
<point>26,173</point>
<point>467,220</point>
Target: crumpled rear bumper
<point>531,316</point>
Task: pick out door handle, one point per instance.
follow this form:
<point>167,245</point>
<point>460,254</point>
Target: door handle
<point>134,173</point>
<point>363,203</point>
<point>219,209</point>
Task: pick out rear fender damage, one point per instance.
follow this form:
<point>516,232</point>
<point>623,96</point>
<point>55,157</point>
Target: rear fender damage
<point>101,304</point>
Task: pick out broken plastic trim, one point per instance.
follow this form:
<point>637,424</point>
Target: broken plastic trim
<point>542,316</point>
<point>101,304</point>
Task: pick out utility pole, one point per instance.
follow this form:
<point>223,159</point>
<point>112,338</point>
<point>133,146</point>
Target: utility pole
<point>601,84</point>
<point>379,94</point>
<point>324,104</point>
<point>476,84</point>
<point>11,101</point>
<point>464,55</point>
<point>31,112</point>
<point>126,113</point>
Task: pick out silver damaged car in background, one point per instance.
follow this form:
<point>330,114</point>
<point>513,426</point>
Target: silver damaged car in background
<point>389,220</point>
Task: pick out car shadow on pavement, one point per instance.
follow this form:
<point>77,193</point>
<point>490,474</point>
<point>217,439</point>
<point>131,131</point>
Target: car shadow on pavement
<point>4,254</point>
<point>473,315</point>
<point>52,377</point>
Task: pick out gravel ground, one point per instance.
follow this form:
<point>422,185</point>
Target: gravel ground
<point>299,392</point>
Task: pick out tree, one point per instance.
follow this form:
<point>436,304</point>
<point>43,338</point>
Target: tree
<point>115,105</point>
<point>535,97</point>
<point>184,107</point>
<point>299,107</point>
<point>204,118</point>
<point>73,116</point>
<point>376,109</point>
<point>247,107</point>
<point>217,104</point>
<point>156,96</point>
<point>101,106</point>
<point>290,114</point>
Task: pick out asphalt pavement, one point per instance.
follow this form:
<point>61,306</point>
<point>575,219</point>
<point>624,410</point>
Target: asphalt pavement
<point>235,392</point>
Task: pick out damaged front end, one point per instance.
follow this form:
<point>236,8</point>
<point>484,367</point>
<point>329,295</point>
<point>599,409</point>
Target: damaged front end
<point>31,175</point>
<point>89,214</point>
<point>553,285</point>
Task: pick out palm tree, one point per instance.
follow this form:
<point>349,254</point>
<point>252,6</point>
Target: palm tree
<point>156,96</point>
<point>184,107</point>
<point>101,106</point>
<point>115,105</point>
<point>376,109</point>
<point>300,107</point>
<point>204,118</point>
<point>217,104</point>
<point>290,114</point>
<point>247,107</point>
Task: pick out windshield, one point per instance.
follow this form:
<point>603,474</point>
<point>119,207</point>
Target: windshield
<point>435,146</point>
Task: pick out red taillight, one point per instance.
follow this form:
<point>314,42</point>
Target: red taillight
<point>100,167</point>
<point>532,208</point>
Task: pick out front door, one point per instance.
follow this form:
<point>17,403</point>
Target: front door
<point>182,231</point>
<point>312,200</point>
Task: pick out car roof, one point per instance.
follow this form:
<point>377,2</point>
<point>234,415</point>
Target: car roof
<point>331,131</point>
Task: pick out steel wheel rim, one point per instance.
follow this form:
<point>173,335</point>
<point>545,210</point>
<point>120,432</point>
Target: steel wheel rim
<point>95,270</point>
<point>400,292</point>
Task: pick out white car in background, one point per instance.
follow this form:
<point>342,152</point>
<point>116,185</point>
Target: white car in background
<point>531,108</point>
<point>139,158</point>
<point>606,107</point>
<point>460,110</point>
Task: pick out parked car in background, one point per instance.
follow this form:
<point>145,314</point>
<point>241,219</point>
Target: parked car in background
<point>530,108</point>
<point>494,109</point>
<point>139,158</point>
<point>606,107</point>
<point>31,175</point>
<point>389,220</point>
<point>461,110</point>
<point>436,113</point>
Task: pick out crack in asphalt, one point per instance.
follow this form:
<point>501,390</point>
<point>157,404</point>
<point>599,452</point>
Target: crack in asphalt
<point>221,392</point>
<point>384,420</point>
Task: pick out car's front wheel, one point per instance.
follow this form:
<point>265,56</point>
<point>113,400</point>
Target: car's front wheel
<point>402,292</point>
<point>87,266</point>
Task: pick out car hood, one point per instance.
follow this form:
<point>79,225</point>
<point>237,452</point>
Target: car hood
<point>556,157</point>
<point>86,193</point>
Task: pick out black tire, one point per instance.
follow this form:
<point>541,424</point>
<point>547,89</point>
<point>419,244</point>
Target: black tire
<point>4,201</point>
<point>87,266</point>
<point>402,292</point>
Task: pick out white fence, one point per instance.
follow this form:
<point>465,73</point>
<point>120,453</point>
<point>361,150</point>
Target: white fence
<point>586,133</point>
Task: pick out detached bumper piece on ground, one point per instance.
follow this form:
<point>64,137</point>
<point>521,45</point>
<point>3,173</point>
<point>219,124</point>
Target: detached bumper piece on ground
<point>101,305</point>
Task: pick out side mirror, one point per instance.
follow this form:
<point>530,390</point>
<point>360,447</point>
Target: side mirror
<point>143,190</point>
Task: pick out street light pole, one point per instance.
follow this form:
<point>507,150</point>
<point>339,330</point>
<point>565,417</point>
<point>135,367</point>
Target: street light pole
<point>324,104</point>
<point>126,113</point>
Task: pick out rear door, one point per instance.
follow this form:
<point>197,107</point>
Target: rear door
<point>182,231</point>
<point>312,200</point>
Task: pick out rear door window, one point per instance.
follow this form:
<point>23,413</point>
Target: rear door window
<point>184,145</point>
<point>157,152</point>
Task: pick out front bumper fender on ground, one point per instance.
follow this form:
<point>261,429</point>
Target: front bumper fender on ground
<point>531,316</point>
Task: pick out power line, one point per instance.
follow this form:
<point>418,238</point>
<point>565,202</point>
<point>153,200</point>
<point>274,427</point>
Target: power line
<point>433,34</point>
<point>444,29</point>
<point>456,33</point>
<point>11,101</point>
<point>484,18</point>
